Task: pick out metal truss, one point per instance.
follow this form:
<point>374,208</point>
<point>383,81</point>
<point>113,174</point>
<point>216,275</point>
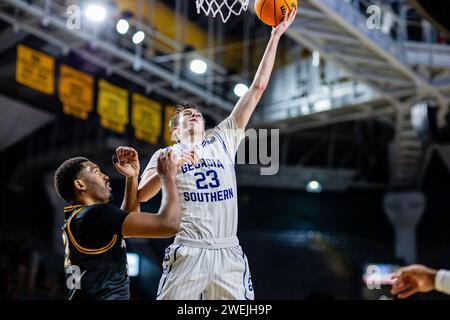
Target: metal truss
<point>400,72</point>
<point>339,32</point>
<point>103,46</point>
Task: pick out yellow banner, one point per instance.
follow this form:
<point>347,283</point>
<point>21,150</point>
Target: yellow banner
<point>112,106</point>
<point>146,118</point>
<point>35,69</point>
<point>168,112</point>
<point>76,92</point>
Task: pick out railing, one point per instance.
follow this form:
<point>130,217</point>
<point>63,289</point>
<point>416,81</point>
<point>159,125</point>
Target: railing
<point>330,97</point>
<point>434,55</point>
<point>359,22</point>
<point>399,23</point>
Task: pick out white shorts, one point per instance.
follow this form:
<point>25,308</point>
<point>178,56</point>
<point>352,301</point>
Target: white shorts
<point>191,273</point>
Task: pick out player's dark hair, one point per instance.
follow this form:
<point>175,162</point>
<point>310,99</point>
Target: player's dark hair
<point>65,175</point>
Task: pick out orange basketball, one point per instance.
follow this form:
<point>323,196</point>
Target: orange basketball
<point>271,12</point>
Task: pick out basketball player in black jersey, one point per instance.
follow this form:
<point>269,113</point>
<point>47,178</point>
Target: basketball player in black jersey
<point>93,231</point>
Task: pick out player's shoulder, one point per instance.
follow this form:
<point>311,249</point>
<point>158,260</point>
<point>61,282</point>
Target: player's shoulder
<point>228,122</point>
<point>101,208</point>
<point>100,213</point>
<point>227,127</point>
<point>154,159</point>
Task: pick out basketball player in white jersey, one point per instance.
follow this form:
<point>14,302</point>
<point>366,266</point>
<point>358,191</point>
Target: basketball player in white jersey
<point>205,261</point>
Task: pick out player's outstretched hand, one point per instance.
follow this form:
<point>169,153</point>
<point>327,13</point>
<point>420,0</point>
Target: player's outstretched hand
<point>167,165</point>
<point>284,25</point>
<point>412,279</point>
<point>126,162</point>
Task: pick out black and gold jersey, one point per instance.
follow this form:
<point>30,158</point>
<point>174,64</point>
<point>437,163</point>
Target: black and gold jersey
<point>95,253</point>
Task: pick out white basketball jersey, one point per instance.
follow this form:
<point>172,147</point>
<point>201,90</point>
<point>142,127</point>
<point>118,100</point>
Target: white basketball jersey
<point>208,191</point>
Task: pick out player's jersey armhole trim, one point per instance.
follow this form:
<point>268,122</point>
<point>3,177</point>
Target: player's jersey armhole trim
<point>159,150</point>
<point>223,145</point>
<point>83,249</point>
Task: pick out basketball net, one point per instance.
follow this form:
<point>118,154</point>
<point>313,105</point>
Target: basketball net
<point>224,7</point>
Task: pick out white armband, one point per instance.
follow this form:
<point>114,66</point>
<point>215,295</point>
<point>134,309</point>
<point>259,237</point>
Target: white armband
<point>442,281</point>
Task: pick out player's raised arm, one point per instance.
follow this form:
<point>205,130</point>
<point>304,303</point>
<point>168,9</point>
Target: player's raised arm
<point>247,103</point>
<point>126,162</point>
<point>149,185</point>
<point>166,222</point>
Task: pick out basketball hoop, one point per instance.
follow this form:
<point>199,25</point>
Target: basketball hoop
<point>224,7</point>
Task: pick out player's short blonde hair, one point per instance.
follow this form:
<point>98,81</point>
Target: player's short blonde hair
<point>179,108</point>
